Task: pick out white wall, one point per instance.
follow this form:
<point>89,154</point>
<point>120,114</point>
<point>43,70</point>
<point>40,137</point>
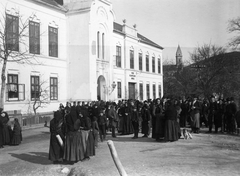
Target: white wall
<point>45,66</point>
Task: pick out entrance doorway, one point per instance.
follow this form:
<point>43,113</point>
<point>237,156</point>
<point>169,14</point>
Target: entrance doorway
<point>101,88</point>
<point>131,88</point>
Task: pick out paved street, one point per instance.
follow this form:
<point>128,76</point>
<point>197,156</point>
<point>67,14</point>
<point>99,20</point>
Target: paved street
<point>205,154</point>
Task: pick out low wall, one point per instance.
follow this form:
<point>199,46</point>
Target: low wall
<point>30,119</point>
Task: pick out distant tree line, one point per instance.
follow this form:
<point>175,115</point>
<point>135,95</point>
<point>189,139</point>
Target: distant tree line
<point>211,70</point>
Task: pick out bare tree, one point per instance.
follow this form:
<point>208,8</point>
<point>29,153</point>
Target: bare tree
<point>234,27</point>
<point>217,75</point>
<point>221,72</point>
<point>13,46</point>
<point>213,57</point>
<point>177,81</point>
<point>40,98</point>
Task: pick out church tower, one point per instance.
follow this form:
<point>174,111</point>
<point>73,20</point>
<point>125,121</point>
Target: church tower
<point>179,56</point>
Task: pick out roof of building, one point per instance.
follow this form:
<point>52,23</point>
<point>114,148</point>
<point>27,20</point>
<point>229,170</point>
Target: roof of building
<point>78,5</point>
<point>119,28</point>
<point>179,51</point>
<point>85,4</point>
<point>51,3</point>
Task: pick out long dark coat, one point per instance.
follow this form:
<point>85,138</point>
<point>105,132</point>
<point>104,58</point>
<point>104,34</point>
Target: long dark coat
<point>113,117</point>
<point>146,116</point>
<point>219,115</point>
<point>135,120</point>
<point>73,148</point>
<point>16,134</point>
<point>56,128</point>
<point>127,122</point>
<point>171,128</point>
<point>6,133</point>
<point>1,133</point>
<point>160,121</point>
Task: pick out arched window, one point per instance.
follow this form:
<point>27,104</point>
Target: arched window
<point>140,61</point>
<point>118,56</point>
<point>154,91</point>
<point>98,44</point>
<point>131,59</point>
<point>159,65</point>
<point>147,63</point>
<point>153,64</point>
<point>103,47</point>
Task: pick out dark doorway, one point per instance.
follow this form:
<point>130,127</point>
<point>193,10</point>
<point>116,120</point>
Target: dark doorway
<point>131,88</point>
<point>101,94</point>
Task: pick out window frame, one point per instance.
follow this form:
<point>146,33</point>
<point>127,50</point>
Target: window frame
<point>131,59</point>
<point>34,40</point>
<point>141,91</point>
<point>119,89</point>
<point>53,41</point>
<point>118,56</point>
<point>98,44</point>
<point>159,65</point>
<point>159,91</point>
<point>35,85</point>
<point>103,47</point>
<point>140,61</point>
<point>153,64</point>
<point>10,78</point>
<point>52,92</point>
<point>148,91</point>
<point>12,32</point>
<point>147,63</point>
<point>154,91</point>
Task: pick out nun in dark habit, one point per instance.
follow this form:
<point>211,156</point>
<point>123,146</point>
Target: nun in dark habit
<point>56,138</point>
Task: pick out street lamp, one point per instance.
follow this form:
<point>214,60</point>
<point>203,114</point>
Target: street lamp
<point>110,89</point>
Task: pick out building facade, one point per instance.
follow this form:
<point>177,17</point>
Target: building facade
<point>80,54</point>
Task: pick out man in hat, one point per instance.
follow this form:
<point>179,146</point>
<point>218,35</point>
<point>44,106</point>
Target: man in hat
<point>212,112</point>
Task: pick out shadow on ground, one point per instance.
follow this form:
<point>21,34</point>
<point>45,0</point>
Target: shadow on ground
<point>33,157</point>
<point>128,138</point>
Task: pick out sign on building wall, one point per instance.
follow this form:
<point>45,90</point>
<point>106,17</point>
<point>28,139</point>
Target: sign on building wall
<point>132,76</point>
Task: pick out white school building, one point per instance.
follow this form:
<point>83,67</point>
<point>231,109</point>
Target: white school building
<point>81,54</point>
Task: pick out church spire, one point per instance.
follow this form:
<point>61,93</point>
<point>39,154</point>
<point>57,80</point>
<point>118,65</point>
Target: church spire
<point>179,56</point>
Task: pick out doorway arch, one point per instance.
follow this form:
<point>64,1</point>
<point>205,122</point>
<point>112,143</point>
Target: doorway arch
<point>101,82</point>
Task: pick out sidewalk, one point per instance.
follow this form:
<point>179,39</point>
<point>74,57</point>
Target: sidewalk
<point>32,126</point>
<point>34,130</point>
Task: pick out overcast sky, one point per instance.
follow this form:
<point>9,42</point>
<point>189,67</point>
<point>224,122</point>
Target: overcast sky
<point>188,23</point>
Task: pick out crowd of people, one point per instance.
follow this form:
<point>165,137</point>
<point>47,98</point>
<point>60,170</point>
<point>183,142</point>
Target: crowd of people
<point>213,112</point>
<point>9,135</point>
<point>77,128</point>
